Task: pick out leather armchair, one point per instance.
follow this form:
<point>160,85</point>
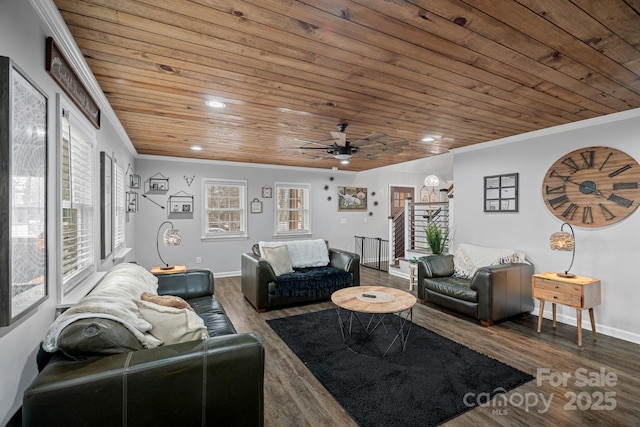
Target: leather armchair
<point>493,294</point>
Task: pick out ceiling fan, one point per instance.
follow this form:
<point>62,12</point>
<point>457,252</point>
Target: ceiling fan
<point>341,149</point>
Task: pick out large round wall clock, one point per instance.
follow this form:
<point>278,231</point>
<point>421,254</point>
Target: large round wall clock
<point>592,187</point>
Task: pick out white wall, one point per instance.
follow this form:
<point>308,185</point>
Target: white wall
<point>608,253</point>
<point>223,257</point>
<point>22,38</point>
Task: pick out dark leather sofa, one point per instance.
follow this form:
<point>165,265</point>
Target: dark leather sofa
<point>258,279</point>
<point>215,381</point>
<point>493,294</point>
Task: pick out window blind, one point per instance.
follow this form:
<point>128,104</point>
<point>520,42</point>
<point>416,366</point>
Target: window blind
<point>77,205</point>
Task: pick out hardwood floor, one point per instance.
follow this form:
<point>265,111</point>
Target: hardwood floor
<point>601,381</point>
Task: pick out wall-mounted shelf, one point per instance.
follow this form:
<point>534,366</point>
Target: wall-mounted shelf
<point>157,184</point>
<point>132,202</point>
<point>180,205</point>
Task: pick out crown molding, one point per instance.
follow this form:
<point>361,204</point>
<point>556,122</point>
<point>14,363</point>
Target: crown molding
<point>55,26</point>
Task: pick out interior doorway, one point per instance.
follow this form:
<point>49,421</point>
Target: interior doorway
<point>399,197</point>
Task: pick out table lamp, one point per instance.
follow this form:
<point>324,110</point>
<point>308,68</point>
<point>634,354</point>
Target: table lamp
<point>564,241</point>
<point>171,237</point>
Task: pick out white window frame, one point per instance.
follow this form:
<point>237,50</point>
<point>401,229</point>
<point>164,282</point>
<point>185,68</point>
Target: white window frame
<point>206,232</point>
<point>119,212</point>
<point>88,265</point>
<point>306,209</point>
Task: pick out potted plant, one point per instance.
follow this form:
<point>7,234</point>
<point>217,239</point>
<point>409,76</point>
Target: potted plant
<point>436,237</point>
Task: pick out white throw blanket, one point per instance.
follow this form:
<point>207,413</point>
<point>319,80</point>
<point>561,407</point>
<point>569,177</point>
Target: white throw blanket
<point>468,258</point>
<point>112,299</point>
<point>303,253</point>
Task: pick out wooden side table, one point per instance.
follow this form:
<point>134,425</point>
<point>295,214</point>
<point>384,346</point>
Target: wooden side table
<point>413,275</point>
<point>579,292</point>
<point>172,270</point>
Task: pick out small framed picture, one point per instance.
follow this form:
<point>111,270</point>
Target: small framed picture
<point>134,181</point>
<point>256,206</point>
<point>267,192</point>
<point>186,207</point>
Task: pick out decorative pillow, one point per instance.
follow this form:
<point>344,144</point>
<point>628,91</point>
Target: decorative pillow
<point>166,300</point>
<point>172,325</point>
<point>278,257</point>
<point>468,258</point>
<point>303,253</point>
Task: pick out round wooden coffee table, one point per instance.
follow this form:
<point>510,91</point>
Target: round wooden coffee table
<point>374,320</point>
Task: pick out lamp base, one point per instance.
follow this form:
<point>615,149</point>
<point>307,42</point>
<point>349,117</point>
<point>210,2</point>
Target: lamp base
<point>168,267</point>
<point>566,275</point>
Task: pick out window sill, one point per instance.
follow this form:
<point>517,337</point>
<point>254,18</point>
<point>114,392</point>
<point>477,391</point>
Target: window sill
<point>121,254</point>
<point>224,238</point>
<point>82,289</point>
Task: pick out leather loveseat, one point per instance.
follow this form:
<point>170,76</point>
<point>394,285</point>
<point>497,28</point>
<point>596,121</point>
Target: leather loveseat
<point>260,282</point>
<point>212,381</point>
<point>494,293</point>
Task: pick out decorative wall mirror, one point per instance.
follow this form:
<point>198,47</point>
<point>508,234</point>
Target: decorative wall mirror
<point>23,194</point>
<point>501,193</point>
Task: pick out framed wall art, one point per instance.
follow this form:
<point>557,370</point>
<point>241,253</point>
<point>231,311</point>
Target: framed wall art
<point>23,193</point>
<point>352,199</point>
<point>180,205</point>
<point>256,205</point>
<point>59,68</point>
<point>106,207</point>
<point>501,193</point>
<point>134,181</point>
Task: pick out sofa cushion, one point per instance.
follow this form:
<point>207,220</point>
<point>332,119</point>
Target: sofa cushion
<point>454,287</point>
<point>172,325</point>
<point>96,336</point>
<point>214,316</point>
<point>315,282</point>
<point>278,257</point>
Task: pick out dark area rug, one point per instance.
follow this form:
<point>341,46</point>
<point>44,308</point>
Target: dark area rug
<point>423,386</point>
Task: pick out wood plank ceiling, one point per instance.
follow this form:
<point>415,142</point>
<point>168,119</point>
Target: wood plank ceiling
<point>465,72</point>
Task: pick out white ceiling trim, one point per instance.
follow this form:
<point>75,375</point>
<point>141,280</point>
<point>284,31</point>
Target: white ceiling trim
<point>55,26</point>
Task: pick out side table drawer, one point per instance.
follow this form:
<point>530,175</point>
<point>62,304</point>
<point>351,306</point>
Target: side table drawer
<point>550,285</point>
<point>557,297</point>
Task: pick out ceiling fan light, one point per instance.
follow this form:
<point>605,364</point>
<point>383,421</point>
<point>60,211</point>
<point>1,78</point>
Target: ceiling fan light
<point>344,161</point>
<point>342,156</point>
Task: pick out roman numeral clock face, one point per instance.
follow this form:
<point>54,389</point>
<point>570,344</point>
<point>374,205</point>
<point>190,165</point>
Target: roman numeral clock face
<point>592,187</point>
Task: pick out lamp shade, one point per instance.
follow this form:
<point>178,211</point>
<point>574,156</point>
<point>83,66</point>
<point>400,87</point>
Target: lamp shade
<point>172,237</point>
<point>562,241</point>
<point>431,181</point>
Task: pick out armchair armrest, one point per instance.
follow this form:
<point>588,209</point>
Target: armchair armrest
<point>256,275</point>
<point>214,381</point>
<point>433,266</point>
<point>347,261</point>
<point>504,290</point>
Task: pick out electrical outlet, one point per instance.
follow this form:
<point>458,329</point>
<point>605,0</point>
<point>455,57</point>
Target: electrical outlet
<point>198,260</point>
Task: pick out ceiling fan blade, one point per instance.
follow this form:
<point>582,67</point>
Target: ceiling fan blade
<point>339,137</point>
<point>369,139</point>
<point>393,151</point>
<point>371,149</point>
<point>306,141</point>
<point>401,143</point>
<point>324,147</point>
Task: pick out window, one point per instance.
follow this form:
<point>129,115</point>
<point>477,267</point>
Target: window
<point>292,208</point>
<point>78,178</point>
<point>119,203</point>
<point>225,208</point>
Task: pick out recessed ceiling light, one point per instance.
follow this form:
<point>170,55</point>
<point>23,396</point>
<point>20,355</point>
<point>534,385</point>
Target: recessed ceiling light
<point>216,104</point>
<point>344,161</point>
<point>428,138</point>
<point>196,148</point>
